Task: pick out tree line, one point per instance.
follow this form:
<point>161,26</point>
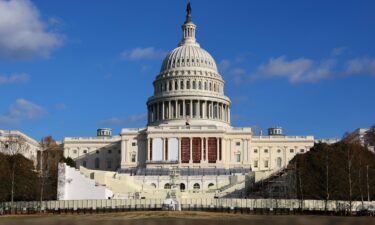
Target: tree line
<point>23,180</point>
<point>341,171</point>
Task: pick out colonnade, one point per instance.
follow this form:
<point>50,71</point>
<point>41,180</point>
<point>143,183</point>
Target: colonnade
<point>215,155</point>
<point>188,108</point>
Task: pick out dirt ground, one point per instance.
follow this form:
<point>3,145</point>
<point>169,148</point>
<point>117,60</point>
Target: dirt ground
<point>180,218</point>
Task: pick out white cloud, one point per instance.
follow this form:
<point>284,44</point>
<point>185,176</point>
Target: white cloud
<point>22,110</point>
<point>360,66</point>
<point>14,78</point>
<point>297,70</point>
<point>127,120</point>
<point>142,53</point>
<point>23,35</point>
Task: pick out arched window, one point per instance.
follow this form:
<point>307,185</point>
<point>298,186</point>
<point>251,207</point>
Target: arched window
<point>153,185</point>
<point>176,85</point>
<point>279,162</point>
<point>211,186</point>
<point>182,85</point>
<point>167,186</point>
<point>182,187</point>
<point>196,186</point>
<point>188,84</point>
<point>205,86</point>
<point>97,163</point>
<point>200,85</point>
<point>170,85</point>
<point>210,87</point>
<point>194,85</point>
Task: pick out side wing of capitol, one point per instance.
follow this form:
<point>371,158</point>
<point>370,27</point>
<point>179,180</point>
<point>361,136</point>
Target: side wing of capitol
<point>188,148</point>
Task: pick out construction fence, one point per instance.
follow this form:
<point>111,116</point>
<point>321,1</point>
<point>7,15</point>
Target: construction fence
<point>220,205</point>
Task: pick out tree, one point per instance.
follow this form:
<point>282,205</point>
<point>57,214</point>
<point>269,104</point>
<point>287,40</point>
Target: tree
<point>14,145</point>
<point>370,135</point>
<point>70,162</point>
<point>49,156</point>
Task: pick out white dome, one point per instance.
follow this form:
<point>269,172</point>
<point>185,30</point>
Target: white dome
<point>188,56</point>
<point>189,89</point>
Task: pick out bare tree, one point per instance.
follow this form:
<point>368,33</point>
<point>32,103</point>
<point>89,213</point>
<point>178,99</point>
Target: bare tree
<point>359,179</point>
<point>13,145</point>
<point>350,183</point>
<point>42,171</point>
<point>368,186</point>
<point>327,180</point>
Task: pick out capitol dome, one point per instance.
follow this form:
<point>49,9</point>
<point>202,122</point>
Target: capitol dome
<point>188,56</point>
<point>189,89</point>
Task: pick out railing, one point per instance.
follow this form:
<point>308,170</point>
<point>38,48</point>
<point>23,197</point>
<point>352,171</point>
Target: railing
<point>266,137</point>
<point>91,138</point>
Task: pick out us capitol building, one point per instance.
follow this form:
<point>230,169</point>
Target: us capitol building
<point>188,145</point>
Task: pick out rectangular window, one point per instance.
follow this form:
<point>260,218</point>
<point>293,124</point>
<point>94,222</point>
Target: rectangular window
<point>238,143</point>
<point>134,143</point>
<point>109,151</point>
<point>255,163</point>
<point>109,163</point>
<point>238,158</point>
<point>265,150</point>
<point>133,157</point>
<point>266,163</point>
<point>291,150</point>
<point>302,150</point>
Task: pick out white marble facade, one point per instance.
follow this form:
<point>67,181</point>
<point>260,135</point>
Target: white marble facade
<point>189,124</point>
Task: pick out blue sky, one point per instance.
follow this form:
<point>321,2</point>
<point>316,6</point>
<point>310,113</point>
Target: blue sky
<point>69,67</point>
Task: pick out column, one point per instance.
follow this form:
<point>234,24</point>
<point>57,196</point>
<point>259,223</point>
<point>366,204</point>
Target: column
<point>153,113</point>
<point>123,153</point>
<point>169,110</point>
<point>191,108</point>
<point>203,110</point>
<point>208,109</point>
<point>228,115</point>
<point>198,108</point>
<point>177,109</point>
<point>157,111</point>
<point>221,111</point>
<point>162,111</point>
<point>179,150</point>
<point>183,109</point>
<point>163,144</point>
<point>148,149</point>
<point>221,149</point>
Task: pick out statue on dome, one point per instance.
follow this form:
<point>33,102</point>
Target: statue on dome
<point>188,8</point>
